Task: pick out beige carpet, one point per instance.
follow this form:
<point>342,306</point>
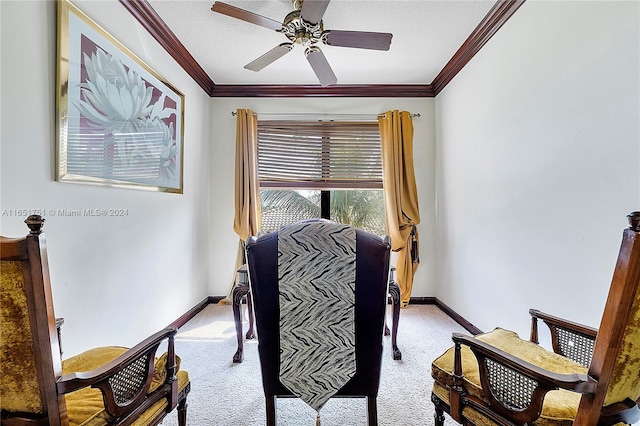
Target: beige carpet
<point>227,394</point>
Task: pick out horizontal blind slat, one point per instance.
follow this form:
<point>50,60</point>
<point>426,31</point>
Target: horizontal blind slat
<point>319,154</point>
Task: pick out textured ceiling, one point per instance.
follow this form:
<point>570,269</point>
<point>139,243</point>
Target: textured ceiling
<point>426,34</point>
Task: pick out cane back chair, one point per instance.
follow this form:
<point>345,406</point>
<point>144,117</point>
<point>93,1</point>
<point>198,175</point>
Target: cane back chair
<point>102,386</point>
<point>591,378</point>
<point>334,316</point>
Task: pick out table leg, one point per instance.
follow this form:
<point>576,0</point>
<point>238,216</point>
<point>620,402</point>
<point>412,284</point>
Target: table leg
<point>394,291</point>
<point>250,333</point>
<point>238,293</point>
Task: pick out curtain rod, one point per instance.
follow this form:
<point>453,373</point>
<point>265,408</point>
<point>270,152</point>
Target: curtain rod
<point>321,114</point>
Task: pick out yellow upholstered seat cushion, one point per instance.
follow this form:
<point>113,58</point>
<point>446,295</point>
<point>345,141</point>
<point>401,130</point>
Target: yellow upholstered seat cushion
<point>560,406</point>
<point>85,406</point>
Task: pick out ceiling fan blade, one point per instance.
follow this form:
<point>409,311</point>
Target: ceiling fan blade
<point>313,10</point>
<point>320,66</point>
<point>245,15</point>
<point>358,39</point>
<point>269,57</point>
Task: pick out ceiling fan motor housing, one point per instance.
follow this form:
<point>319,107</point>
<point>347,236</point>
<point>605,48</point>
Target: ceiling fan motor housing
<point>300,31</point>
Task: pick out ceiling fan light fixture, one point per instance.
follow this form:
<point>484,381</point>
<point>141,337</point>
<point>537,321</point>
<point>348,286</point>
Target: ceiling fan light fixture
<point>303,38</point>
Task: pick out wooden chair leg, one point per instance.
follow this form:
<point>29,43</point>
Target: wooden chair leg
<point>372,411</point>
<point>182,412</point>
<point>438,415</point>
<point>271,410</point>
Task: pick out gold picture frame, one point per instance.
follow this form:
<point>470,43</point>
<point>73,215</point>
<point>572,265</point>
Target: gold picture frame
<point>119,123</point>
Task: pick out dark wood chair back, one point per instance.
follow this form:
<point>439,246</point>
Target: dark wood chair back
<point>31,361</point>
<point>372,274</point>
<point>616,356</point>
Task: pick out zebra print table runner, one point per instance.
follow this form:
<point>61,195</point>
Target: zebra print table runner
<point>317,281</point>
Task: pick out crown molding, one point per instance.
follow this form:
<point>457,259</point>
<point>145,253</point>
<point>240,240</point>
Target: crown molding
<point>492,22</point>
<point>300,91</point>
<point>495,19</point>
<point>154,24</point>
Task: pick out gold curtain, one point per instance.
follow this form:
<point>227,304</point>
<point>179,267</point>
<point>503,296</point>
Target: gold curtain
<point>246,221</point>
<point>400,195</point>
<point>247,194</point>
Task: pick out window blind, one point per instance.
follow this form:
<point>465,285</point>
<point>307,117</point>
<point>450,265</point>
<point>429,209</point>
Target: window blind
<point>319,155</point>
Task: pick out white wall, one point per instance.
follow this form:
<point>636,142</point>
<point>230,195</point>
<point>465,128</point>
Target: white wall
<point>538,163</point>
<point>224,241</point>
<point>115,279</point>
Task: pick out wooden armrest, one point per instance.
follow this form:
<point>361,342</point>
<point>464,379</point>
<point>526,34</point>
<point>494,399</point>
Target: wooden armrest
<point>125,381</point>
<point>560,322</point>
<point>569,339</point>
<point>523,402</point>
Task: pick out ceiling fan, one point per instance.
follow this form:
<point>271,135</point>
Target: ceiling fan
<point>304,27</point>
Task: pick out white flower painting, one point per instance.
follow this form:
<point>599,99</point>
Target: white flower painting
<point>123,123</point>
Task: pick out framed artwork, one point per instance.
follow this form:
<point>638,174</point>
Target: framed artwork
<point>119,122</point>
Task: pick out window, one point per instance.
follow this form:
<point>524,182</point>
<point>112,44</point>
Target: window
<point>320,169</point>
